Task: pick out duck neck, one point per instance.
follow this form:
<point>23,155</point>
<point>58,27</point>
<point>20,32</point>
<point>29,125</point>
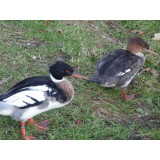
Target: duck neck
<point>56,80</point>
<point>140,54</point>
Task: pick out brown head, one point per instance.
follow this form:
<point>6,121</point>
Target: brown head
<point>137,44</point>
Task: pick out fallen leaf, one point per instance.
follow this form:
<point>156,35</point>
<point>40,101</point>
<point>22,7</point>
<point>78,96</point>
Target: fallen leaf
<point>146,69</point>
<point>79,122</point>
<point>112,23</point>
<point>47,21</point>
<point>141,33</point>
<point>156,37</point>
<point>43,31</point>
<point>134,31</point>
<point>154,73</point>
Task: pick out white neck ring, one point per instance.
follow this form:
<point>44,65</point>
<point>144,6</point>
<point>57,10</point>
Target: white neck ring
<point>56,80</point>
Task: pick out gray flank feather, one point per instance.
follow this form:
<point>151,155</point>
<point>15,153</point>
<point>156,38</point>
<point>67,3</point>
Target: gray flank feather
<point>5,109</point>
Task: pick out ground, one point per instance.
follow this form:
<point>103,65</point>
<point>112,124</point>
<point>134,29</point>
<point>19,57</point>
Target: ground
<point>27,48</point>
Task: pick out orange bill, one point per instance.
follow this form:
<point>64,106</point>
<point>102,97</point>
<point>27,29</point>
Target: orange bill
<point>79,75</point>
<point>150,51</point>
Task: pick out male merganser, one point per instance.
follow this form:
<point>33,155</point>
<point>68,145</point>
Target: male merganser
<point>39,94</point>
<point>118,67</point>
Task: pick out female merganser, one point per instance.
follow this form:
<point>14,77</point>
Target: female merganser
<point>118,67</point>
<point>39,94</point>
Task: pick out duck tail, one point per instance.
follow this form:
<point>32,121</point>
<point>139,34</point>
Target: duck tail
<point>6,109</point>
<point>94,78</point>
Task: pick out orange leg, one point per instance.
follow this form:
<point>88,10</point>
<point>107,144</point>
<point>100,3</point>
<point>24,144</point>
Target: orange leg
<point>43,125</point>
<point>31,121</point>
<point>127,97</point>
<point>23,132</point>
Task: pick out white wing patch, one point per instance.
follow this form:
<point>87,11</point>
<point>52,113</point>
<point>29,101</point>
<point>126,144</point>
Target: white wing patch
<point>29,96</point>
<point>38,88</point>
<point>122,73</point>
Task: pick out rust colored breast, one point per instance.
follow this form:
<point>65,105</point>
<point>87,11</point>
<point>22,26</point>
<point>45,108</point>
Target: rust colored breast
<point>67,87</point>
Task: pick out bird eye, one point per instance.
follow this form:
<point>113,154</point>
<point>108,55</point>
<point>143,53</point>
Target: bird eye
<point>67,71</point>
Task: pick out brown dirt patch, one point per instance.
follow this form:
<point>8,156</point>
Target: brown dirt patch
<point>108,116</point>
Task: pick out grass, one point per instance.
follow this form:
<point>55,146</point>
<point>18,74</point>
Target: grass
<point>27,48</point>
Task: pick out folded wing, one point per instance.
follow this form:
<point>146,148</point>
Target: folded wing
<point>27,97</point>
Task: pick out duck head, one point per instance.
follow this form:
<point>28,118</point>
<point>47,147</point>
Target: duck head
<point>137,44</point>
<point>60,69</point>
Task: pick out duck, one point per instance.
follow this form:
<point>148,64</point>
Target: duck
<point>35,95</point>
<point>119,67</point>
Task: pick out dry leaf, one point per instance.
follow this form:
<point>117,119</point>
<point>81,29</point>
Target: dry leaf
<point>47,21</point>
<point>141,33</point>
<point>134,31</point>
<point>79,122</point>
<point>146,69</point>
<point>156,37</point>
<point>43,31</point>
<point>112,23</point>
<point>154,73</point>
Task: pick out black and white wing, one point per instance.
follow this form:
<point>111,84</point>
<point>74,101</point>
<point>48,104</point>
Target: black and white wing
<point>31,92</point>
<point>28,97</point>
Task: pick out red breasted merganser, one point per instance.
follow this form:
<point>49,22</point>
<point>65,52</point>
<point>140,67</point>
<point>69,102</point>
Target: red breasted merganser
<point>118,67</point>
<point>35,95</point>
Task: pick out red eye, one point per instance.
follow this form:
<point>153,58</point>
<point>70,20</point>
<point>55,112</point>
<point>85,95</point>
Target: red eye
<point>67,70</point>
